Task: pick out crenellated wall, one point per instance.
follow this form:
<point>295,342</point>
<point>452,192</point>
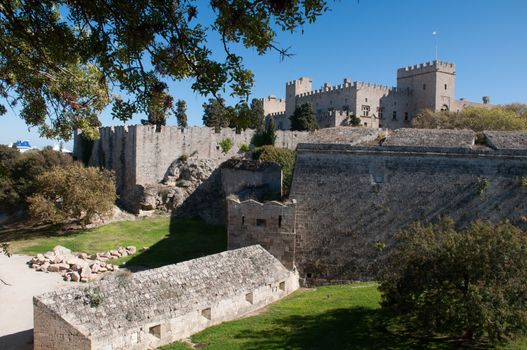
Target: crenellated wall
<point>270,224</point>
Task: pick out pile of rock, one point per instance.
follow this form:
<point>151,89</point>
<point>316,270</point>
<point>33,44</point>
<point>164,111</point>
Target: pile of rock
<point>78,267</point>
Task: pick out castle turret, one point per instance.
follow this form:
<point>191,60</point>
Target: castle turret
<point>293,89</point>
<point>431,84</point>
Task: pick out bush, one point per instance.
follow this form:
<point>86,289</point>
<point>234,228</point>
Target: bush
<point>474,118</point>
<point>72,192</point>
<point>226,145</point>
<point>469,284</point>
<point>19,174</point>
<point>283,156</point>
<point>244,148</point>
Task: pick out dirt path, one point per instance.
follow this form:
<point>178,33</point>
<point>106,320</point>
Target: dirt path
<point>16,299</point>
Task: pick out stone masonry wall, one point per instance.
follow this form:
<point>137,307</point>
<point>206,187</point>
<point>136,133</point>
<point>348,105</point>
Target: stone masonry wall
<point>52,332</point>
<point>139,155</point>
<point>152,308</point>
<point>270,224</point>
<point>349,198</point>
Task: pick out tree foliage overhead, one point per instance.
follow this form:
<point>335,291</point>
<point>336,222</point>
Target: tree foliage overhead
<point>60,59</point>
<point>508,117</point>
<point>467,284</point>
<point>304,118</point>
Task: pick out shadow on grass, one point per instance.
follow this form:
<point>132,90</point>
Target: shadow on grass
<point>187,239</point>
<point>356,328</point>
<point>21,230</point>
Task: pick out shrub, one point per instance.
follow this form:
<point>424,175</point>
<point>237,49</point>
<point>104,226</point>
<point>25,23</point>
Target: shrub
<point>226,145</point>
<point>474,118</point>
<point>244,148</point>
<point>283,156</point>
<point>20,172</point>
<point>72,192</point>
<point>355,121</point>
<point>468,284</point>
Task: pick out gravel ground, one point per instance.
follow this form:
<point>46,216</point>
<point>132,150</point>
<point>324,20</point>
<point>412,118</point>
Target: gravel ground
<point>16,299</point>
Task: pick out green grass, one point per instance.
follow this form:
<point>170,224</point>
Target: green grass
<point>333,317</point>
<point>169,240</point>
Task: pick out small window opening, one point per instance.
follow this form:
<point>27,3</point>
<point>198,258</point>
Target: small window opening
<point>260,222</point>
<point>155,331</point>
<point>446,86</point>
<point>365,124</point>
<point>366,99</point>
<point>249,297</point>
<point>281,285</point>
<point>217,148</point>
<point>309,275</point>
<point>394,115</point>
<point>280,221</point>
<point>405,115</point>
<point>243,220</point>
<point>206,313</point>
<point>424,86</point>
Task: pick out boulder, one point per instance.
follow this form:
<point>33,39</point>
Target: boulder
<point>131,250</point>
<point>85,272</point>
<point>75,277</point>
<point>61,250</point>
<point>54,268</point>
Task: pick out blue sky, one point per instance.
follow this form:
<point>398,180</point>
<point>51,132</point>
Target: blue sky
<point>368,40</point>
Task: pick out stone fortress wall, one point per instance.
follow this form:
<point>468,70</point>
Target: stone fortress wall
<point>348,199</point>
<point>140,156</point>
<point>429,85</point>
<point>148,309</point>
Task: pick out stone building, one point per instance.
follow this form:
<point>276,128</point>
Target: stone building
<point>425,86</point>
<point>152,308</point>
<point>347,200</point>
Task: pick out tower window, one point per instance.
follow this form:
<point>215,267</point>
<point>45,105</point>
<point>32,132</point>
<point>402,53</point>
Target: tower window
<point>446,86</point>
<point>394,115</point>
<point>366,99</point>
<point>405,115</point>
<point>260,222</point>
<point>424,86</point>
<point>280,221</point>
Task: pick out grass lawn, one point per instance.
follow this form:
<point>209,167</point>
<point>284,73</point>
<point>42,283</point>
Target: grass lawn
<point>333,317</point>
<point>169,240</point>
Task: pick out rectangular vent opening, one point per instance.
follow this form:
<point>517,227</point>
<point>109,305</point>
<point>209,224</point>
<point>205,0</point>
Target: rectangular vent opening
<point>155,331</point>
<point>249,297</point>
<point>206,313</point>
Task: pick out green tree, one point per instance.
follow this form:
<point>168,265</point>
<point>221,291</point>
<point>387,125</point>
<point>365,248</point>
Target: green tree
<point>267,136</point>
<point>60,59</point>
<point>181,114</point>
<point>257,114</point>
<point>304,118</point>
<point>72,192</point>
<point>216,115</point>
<point>474,118</point>
<point>468,284</point>
<point>22,172</point>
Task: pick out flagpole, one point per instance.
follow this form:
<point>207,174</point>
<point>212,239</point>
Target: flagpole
<point>434,33</point>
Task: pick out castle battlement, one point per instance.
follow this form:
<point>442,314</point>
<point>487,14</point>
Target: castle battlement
<point>426,67</point>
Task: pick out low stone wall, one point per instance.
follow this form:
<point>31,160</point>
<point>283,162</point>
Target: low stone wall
<point>152,308</point>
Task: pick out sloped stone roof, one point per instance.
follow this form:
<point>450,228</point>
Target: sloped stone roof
<point>506,140</point>
<point>431,138</point>
<point>126,301</point>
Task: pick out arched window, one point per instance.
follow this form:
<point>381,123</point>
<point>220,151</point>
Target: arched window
<point>444,108</point>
